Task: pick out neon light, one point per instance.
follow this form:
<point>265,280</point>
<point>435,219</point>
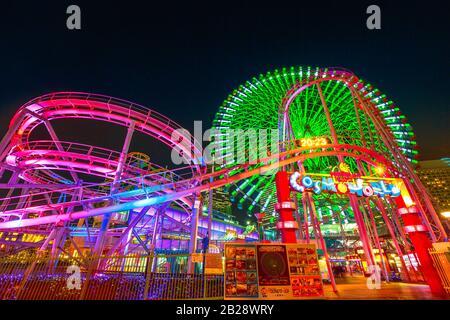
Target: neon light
<point>360,187</point>
<point>312,142</point>
<point>415,228</point>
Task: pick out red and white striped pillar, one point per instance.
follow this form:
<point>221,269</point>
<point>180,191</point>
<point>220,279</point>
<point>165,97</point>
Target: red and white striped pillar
<point>285,207</point>
<point>418,233</point>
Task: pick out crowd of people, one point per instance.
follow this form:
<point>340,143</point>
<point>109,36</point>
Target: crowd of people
<point>339,271</point>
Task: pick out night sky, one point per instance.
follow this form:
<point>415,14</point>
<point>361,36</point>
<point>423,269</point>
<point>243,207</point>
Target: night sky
<point>184,59</point>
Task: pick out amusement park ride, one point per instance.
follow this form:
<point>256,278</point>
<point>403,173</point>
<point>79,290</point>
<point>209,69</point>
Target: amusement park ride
<point>344,169</point>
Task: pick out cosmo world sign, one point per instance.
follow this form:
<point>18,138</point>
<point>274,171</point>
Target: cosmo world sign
<point>343,183</point>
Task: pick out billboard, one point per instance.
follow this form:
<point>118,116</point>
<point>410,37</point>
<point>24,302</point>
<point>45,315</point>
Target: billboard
<point>272,271</point>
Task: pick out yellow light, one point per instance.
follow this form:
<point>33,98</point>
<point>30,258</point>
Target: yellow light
<point>379,170</point>
<point>344,167</point>
<point>342,188</point>
<point>446,214</point>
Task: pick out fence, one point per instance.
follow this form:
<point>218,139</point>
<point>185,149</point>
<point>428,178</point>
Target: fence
<point>28,276</point>
<point>441,261</point>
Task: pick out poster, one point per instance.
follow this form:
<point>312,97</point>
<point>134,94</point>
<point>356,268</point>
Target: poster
<point>273,272</point>
<point>241,280</point>
<point>306,280</point>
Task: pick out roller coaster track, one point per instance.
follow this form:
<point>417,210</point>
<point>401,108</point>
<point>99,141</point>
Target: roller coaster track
<point>38,159</point>
<point>46,173</point>
<point>151,195</point>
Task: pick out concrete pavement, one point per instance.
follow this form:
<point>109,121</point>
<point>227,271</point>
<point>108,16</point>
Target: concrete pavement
<point>351,288</point>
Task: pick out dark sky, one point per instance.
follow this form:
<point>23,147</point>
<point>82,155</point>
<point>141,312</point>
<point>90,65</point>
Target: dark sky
<point>184,59</point>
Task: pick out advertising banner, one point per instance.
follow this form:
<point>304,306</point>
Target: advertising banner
<point>306,280</point>
<point>272,271</point>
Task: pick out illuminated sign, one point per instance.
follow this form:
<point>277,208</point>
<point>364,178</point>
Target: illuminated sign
<point>331,184</point>
<point>312,142</point>
<point>249,229</point>
<point>233,235</point>
<point>415,228</point>
<point>230,235</point>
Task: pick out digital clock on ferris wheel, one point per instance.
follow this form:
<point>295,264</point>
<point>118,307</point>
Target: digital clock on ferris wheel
<point>312,142</point>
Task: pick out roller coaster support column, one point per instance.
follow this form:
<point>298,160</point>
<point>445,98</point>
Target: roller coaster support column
<point>316,226</point>
<point>362,230</point>
<point>327,114</point>
<point>305,217</point>
<point>377,240</point>
<point>40,252</point>
<point>297,218</point>
<point>285,207</point>
<point>55,138</point>
<point>196,210</point>
<point>154,237</point>
<point>210,210</point>
<point>391,229</point>
<point>418,233</point>
<point>107,217</point>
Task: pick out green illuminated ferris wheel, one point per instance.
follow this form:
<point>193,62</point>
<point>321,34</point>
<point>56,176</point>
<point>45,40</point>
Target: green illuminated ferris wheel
<point>292,100</point>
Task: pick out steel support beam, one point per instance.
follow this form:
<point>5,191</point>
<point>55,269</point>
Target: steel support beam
<point>107,217</point>
<point>196,211</point>
<point>316,223</point>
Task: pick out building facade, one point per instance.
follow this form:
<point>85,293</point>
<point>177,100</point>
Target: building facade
<point>435,175</point>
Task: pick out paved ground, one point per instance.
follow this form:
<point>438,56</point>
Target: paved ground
<point>356,288</point>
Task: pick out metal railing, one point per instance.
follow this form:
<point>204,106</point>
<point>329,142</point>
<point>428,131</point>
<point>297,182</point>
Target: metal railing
<point>32,276</point>
<point>441,260</point>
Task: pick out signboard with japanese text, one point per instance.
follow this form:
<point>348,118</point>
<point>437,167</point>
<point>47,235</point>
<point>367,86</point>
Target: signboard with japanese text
<point>272,271</point>
<point>304,268</point>
<point>213,263</point>
<point>241,281</point>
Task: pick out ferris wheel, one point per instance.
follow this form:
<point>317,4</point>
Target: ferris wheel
<point>292,101</point>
